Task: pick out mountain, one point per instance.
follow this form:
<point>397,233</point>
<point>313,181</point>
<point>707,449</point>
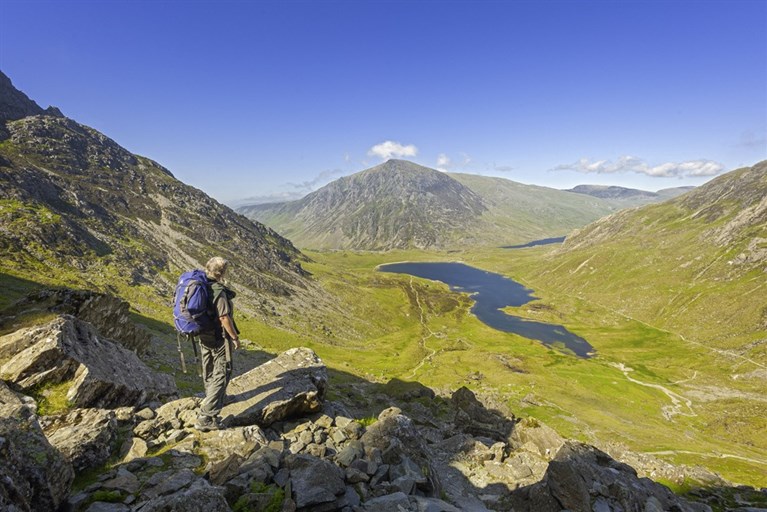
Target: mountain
<point>629,196</point>
<point>518,212</point>
<point>678,264</point>
<point>400,204</point>
<point>78,209</point>
<point>396,204</point>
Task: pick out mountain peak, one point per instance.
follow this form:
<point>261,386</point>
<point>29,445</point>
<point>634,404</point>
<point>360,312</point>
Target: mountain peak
<point>396,204</point>
<point>14,104</point>
<point>398,165</point>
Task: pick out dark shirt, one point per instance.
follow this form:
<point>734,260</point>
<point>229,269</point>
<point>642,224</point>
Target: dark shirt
<point>220,305</point>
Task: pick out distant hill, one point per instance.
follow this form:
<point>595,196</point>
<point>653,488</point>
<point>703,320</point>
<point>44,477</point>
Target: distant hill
<point>679,264</point>
<point>625,197</point>
<point>400,204</point>
<point>519,213</point>
<point>78,209</point>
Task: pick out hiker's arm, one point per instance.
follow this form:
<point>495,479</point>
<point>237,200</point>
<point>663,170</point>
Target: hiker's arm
<point>228,325</point>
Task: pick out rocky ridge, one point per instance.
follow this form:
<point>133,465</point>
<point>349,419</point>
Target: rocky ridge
<point>78,209</point>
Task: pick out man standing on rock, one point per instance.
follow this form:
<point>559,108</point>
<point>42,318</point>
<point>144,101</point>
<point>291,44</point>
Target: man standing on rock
<point>214,346</point>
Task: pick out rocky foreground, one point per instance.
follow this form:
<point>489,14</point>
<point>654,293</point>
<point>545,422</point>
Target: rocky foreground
<point>130,442</point>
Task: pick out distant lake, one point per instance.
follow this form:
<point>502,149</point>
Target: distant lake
<point>492,292</point>
<point>543,241</point>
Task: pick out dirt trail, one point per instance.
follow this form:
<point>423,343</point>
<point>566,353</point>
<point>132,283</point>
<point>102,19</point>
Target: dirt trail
<point>678,402</point>
<point>709,455</point>
<point>424,327</point>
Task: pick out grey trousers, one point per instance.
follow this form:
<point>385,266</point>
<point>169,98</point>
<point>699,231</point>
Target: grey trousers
<point>215,379</point>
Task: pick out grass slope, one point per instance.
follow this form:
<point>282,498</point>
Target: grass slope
<point>521,213</point>
<point>647,388</point>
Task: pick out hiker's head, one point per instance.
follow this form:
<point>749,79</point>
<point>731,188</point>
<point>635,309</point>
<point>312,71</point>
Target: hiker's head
<point>216,267</point>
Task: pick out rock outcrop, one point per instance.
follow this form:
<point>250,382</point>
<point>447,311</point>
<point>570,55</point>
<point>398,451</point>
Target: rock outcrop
<point>102,373</point>
<point>33,474</point>
<point>14,104</point>
<point>85,437</point>
<point>582,478</point>
<point>329,461</point>
<point>108,314</point>
<point>294,382</point>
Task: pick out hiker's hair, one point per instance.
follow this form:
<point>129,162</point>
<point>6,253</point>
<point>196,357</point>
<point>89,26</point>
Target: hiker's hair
<point>216,267</point>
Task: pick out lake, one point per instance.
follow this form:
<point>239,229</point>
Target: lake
<point>534,243</point>
<point>492,292</point>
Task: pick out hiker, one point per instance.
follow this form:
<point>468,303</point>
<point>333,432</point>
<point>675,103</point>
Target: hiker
<point>215,349</point>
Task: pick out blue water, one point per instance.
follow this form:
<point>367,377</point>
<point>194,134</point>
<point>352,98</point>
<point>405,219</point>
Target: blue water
<point>544,241</point>
<point>492,292</point>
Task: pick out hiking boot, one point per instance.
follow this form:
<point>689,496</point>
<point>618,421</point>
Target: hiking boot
<point>206,424</point>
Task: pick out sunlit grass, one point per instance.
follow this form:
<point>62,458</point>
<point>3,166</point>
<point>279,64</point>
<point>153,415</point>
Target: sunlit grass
<point>587,399</point>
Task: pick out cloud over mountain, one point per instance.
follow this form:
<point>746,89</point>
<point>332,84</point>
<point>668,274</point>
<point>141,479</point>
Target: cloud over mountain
<point>624,164</point>
<point>390,149</point>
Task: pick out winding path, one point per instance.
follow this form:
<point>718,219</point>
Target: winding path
<point>709,455</point>
<point>678,402</point>
<point>424,327</point>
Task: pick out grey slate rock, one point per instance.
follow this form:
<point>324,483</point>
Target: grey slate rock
<point>84,436</point>
<point>33,474</point>
<point>314,481</point>
<point>292,384</point>
<point>104,374</point>
<point>388,503</point>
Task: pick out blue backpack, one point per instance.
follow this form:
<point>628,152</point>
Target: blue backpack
<point>191,312</point>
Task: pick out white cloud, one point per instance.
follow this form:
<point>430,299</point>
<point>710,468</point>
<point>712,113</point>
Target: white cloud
<point>624,164</point>
<point>391,149</point>
<point>443,160</point>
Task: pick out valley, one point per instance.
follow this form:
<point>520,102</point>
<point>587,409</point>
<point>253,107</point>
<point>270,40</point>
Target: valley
<point>647,388</point>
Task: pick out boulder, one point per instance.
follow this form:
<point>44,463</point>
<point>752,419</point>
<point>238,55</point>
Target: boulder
<point>292,384</point>
<point>198,496</point>
<point>583,478</point>
<point>533,436</point>
<point>216,446</point>
<point>472,417</point>
<point>403,450</point>
<point>387,503</point>
<point>86,437</point>
<point>108,314</point>
<point>103,373</point>
<point>33,474</point>
<point>314,481</point>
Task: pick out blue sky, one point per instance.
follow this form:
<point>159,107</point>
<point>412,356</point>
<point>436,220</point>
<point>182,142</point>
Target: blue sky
<point>254,99</point>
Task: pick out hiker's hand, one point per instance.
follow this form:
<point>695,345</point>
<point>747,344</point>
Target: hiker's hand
<point>236,342</point>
